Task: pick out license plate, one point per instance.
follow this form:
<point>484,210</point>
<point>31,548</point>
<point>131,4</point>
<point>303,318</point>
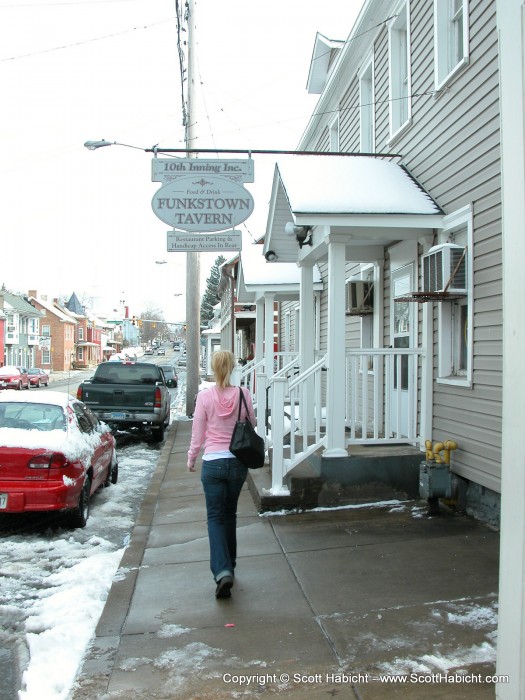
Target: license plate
<point>3,500</point>
<point>118,415</point>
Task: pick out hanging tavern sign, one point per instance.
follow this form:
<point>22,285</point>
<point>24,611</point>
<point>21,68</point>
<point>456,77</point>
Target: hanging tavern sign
<point>202,203</point>
<point>177,242</point>
<point>167,169</point>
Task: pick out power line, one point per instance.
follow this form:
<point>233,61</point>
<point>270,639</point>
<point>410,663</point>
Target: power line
<point>86,41</point>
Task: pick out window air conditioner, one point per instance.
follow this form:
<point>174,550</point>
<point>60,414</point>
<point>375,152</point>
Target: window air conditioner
<point>359,298</point>
<point>445,269</point>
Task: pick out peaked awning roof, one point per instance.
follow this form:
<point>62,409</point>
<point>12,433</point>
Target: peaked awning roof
<point>372,200</point>
<point>257,276</point>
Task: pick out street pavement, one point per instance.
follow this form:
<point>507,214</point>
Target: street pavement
<point>343,602</point>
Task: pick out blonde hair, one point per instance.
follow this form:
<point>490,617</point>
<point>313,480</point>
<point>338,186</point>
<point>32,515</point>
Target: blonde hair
<point>222,364</point>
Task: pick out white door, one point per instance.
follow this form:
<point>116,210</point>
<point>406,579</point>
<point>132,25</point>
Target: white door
<point>402,336</point>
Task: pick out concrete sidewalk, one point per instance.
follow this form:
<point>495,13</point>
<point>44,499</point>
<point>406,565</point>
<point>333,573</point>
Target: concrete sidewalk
<point>324,602</point>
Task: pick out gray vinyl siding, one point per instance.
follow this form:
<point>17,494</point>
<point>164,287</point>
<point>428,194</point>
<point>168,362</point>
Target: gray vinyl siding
<point>452,148</point>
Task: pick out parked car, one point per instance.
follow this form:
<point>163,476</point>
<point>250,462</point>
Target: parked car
<point>170,375</point>
<point>161,351</point>
<point>54,454</point>
<point>12,377</point>
<point>129,396</point>
<point>37,377</point>
<point>149,351</point>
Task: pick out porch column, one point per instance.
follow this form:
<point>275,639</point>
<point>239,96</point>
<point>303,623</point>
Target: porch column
<point>307,343</point>
<point>335,383</point>
<point>427,378</point>
<point>269,302</point>
<point>260,383</point>
<point>259,330</point>
<point>511,619</point>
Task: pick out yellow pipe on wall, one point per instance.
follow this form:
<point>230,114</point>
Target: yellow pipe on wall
<point>433,452</point>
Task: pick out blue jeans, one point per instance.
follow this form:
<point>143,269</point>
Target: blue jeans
<point>222,481</point>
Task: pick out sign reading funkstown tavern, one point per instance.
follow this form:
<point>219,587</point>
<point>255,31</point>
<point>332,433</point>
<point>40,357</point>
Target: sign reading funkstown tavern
<point>202,196</point>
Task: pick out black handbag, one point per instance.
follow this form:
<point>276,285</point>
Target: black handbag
<point>245,444</point>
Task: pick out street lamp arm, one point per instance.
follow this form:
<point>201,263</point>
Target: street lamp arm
<point>93,145</point>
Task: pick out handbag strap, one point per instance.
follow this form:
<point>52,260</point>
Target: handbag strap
<point>242,400</point>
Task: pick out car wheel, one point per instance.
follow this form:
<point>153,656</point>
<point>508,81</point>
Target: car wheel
<point>112,476</point>
<point>38,384</point>
<point>79,516</point>
<point>158,433</point>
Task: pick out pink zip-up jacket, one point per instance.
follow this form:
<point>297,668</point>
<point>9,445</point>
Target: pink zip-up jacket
<point>214,419</point>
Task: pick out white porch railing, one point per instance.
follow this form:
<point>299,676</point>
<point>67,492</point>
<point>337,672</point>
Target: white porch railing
<point>381,395</point>
<point>285,364</point>
<point>381,391</point>
<point>248,377</point>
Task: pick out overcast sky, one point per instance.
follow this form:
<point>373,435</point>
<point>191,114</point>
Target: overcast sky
<point>75,70</point>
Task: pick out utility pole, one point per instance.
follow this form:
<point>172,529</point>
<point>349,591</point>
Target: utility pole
<point>192,258</point>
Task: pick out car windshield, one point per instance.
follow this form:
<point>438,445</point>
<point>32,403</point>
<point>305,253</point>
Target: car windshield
<point>32,416</point>
<point>33,370</point>
<point>112,373</point>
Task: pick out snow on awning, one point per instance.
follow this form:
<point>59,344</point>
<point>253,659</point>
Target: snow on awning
<point>258,275</point>
<point>351,185</point>
<point>372,201</point>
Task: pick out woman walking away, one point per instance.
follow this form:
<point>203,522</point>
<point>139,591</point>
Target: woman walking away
<point>222,475</point>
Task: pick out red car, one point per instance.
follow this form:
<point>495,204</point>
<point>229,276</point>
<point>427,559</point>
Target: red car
<point>54,455</point>
<point>12,377</point>
<point>37,377</point>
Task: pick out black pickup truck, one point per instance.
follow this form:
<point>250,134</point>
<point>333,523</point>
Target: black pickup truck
<point>129,396</point>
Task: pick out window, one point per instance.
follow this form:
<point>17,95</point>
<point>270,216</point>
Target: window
<point>400,78</point>
<point>450,38</point>
<point>366,107</point>
<point>46,357</point>
<point>334,135</point>
<point>81,333</point>
<point>456,317</point>
<point>84,422</point>
<point>46,330</point>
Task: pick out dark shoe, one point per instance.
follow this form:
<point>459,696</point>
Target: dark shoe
<point>224,586</point>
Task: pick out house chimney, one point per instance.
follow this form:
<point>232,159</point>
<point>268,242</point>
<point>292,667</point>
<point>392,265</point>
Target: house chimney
<point>32,293</point>
<point>126,312</point>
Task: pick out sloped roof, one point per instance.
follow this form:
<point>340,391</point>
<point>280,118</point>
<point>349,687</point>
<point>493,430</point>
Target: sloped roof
<point>258,276</point>
<point>324,184</point>
<point>54,309</point>
<point>322,58</point>
<point>371,201</point>
<point>75,306</point>
<point>19,304</point>
<point>258,271</point>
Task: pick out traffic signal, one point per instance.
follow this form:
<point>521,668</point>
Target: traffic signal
<point>140,323</point>
<point>134,321</point>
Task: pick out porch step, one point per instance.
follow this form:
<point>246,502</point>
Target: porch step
<point>367,475</point>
